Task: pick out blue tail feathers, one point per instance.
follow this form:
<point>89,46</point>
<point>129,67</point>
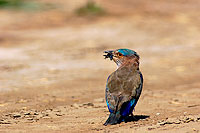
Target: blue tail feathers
<point>128,107</point>
<point>113,119</point>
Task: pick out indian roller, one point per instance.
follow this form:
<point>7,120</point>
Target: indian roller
<point>124,86</point>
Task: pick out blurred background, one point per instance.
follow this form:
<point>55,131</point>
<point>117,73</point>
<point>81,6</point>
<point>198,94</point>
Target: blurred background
<point>51,51</point>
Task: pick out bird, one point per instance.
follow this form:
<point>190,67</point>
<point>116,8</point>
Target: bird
<point>123,86</point>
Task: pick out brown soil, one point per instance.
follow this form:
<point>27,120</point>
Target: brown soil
<point>53,73</point>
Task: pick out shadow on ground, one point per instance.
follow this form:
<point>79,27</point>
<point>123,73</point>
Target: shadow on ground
<point>136,118</point>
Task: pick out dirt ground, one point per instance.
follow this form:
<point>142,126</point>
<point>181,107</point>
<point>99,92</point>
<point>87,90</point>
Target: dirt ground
<point>53,75</point>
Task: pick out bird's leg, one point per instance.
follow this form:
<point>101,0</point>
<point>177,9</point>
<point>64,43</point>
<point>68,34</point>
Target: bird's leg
<point>133,117</point>
<point>128,118</point>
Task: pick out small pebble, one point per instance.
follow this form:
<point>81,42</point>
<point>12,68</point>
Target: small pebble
<point>27,113</point>
<point>59,114</point>
<point>16,115</point>
<point>75,105</point>
<point>29,119</point>
<point>157,114</point>
<point>88,104</point>
<point>46,117</point>
<point>35,113</point>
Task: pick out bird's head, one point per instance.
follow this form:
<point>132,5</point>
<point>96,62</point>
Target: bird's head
<point>121,56</point>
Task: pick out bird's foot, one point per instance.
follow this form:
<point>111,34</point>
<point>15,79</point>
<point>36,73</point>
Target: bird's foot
<point>133,117</point>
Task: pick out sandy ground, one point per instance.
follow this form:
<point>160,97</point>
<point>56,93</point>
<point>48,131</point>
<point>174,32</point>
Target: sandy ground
<point>53,73</point>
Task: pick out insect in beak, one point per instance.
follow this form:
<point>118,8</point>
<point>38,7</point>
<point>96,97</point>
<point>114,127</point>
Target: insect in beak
<point>108,54</point>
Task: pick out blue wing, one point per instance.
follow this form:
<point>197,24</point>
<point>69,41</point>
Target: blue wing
<point>129,106</point>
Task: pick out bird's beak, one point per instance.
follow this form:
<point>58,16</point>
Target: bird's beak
<point>108,54</point>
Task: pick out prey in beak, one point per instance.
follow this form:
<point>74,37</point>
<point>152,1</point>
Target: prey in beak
<point>108,54</point>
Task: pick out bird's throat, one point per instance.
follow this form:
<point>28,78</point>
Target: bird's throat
<point>131,63</point>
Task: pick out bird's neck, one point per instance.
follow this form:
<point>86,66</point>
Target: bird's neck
<point>132,63</point>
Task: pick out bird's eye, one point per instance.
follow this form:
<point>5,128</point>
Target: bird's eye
<point>119,54</point>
